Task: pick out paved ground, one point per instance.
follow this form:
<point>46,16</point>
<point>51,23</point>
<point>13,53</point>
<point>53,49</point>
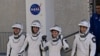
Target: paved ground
<point>2,55</point>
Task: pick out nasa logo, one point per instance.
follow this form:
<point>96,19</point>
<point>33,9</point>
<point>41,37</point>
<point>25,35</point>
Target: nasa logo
<point>35,9</point>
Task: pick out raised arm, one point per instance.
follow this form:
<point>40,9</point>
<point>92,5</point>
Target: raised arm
<point>65,44</point>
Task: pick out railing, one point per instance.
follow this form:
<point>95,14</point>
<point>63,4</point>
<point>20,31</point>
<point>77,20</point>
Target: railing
<point>3,41</point>
<point>5,36</point>
<point>70,36</point>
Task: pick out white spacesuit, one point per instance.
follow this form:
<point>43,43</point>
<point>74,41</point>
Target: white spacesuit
<point>54,46</point>
<point>33,41</point>
<point>84,44</point>
<point>15,42</point>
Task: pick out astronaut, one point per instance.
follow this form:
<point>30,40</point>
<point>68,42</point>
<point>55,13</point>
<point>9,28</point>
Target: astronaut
<point>33,40</point>
<point>54,46</point>
<point>15,41</point>
<point>84,43</point>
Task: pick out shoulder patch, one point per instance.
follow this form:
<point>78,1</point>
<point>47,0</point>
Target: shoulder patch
<point>94,40</point>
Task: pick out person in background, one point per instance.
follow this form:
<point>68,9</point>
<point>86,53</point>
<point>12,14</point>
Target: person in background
<point>95,27</point>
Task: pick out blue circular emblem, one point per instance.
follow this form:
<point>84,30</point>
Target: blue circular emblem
<point>35,9</point>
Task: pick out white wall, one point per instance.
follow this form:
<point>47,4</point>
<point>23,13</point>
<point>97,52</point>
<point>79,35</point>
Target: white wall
<point>69,13</point>
<point>11,11</point>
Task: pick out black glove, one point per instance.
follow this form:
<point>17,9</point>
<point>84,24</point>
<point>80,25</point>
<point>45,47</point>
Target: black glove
<point>20,54</point>
<point>44,38</point>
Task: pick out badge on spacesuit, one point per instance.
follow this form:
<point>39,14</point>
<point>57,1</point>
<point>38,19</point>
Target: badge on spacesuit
<point>94,40</point>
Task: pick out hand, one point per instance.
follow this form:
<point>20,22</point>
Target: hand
<point>19,54</point>
<point>44,38</point>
